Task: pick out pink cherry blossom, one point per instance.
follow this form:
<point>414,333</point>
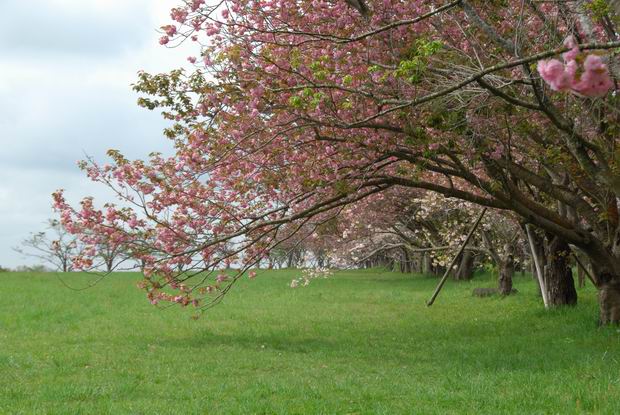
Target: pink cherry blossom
<point>555,74</point>
<point>594,80</point>
<point>170,30</point>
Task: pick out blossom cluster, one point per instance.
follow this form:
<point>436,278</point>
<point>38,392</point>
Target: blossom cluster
<point>310,274</point>
<point>587,76</point>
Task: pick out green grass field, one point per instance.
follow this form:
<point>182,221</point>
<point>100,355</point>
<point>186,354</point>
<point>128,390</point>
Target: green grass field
<point>362,342</point>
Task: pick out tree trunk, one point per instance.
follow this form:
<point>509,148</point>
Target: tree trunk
<point>581,271</point>
<point>289,260</point>
<point>506,272</point>
<point>407,262</point>
<point>581,276</point>
<point>438,270</point>
<point>427,265</point>
<point>320,259</point>
<point>465,271</point>
<point>609,298</point>
<point>109,264</point>
<point>419,266</point>
<point>558,274</point>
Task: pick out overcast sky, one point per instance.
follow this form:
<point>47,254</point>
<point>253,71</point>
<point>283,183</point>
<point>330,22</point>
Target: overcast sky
<point>65,72</point>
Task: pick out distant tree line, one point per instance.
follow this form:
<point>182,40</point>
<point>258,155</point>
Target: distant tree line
<point>56,248</point>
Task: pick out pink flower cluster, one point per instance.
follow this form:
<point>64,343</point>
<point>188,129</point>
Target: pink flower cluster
<point>179,15</point>
<point>591,79</point>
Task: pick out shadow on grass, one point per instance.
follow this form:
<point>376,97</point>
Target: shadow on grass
<point>521,341</point>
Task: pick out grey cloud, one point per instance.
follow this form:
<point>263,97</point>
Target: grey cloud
<point>64,91</point>
<point>40,27</point>
<point>54,126</point>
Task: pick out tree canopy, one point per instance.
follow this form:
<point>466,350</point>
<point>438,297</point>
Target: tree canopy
<point>297,110</point>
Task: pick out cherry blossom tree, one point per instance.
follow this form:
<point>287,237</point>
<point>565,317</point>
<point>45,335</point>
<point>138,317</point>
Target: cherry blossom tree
<point>296,110</point>
<point>413,226</point>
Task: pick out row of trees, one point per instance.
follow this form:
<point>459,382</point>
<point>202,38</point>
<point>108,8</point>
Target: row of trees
<point>422,232</point>
<point>56,248</point>
<point>299,112</point>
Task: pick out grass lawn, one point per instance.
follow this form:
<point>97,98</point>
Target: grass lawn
<point>362,342</point>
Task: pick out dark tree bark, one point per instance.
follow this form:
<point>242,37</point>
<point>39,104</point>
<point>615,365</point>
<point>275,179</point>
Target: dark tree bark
<point>609,298</point>
<point>294,258</point>
<point>465,271</point>
<point>419,264</point>
<point>408,267</point>
<point>427,264</point>
<point>558,274</point>
<point>581,277</point>
<point>320,258</point>
<point>438,270</point>
<point>607,281</point>
<point>506,272</point>
<point>109,264</point>
<point>505,263</point>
